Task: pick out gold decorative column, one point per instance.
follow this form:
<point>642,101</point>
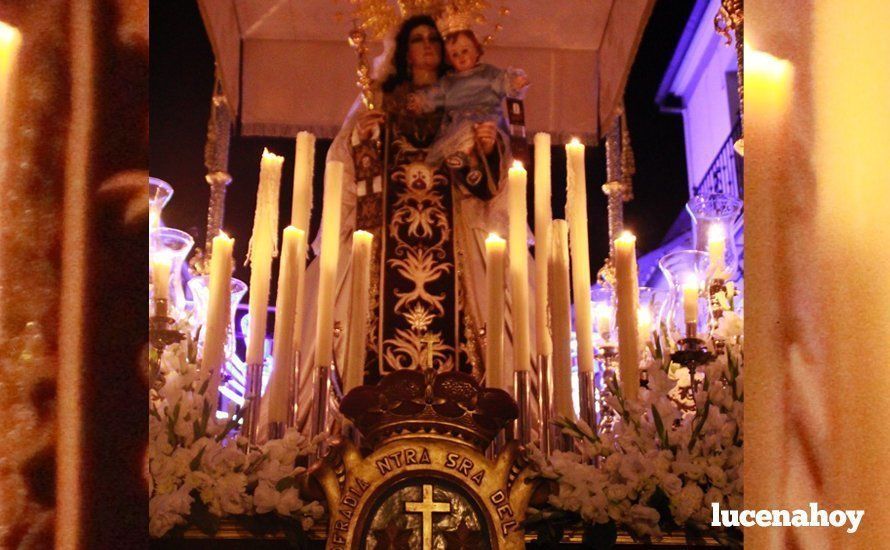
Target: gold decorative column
<point>216,160</point>
<point>730,19</point>
<point>620,168</point>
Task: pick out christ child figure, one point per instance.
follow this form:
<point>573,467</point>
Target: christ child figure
<point>472,92</point>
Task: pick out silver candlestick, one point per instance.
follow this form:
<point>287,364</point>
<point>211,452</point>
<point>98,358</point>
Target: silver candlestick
<point>606,353</point>
<point>293,390</point>
<point>523,400</point>
<point>545,372</point>
<point>587,391</point>
<point>253,390</point>
<point>320,403</point>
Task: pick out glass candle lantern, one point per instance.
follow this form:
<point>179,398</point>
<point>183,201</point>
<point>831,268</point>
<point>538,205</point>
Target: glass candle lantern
<point>159,194</point>
<point>201,292</point>
<point>712,215</point>
<point>174,245</point>
<point>602,304</point>
<point>678,268</point>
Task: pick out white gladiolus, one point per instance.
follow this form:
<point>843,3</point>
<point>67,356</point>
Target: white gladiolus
<point>188,457</point>
<point>671,451</point>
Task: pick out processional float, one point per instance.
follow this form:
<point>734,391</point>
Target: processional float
<point>426,437</point>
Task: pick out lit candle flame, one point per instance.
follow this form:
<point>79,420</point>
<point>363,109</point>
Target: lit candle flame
<point>627,237</point>
<point>644,316</point>
<point>716,233</point>
<point>518,165</point>
<point>766,63</point>
<point>9,35</point>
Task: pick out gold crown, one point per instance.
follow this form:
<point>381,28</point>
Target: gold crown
<point>451,20</point>
<point>449,404</point>
<point>378,17</point>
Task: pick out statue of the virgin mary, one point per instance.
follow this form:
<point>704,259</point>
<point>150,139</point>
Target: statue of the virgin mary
<point>429,222</point>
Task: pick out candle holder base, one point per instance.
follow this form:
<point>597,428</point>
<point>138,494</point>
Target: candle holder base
<point>160,326</point>
<point>276,430</point>
<point>586,390</point>
<point>692,352</point>
<point>545,374</point>
<point>293,389</point>
<point>497,445</point>
<point>320,404</point>
<point>523,400</point>
<point>252,402</point>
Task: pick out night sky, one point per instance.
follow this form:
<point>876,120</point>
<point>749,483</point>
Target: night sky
<point>182,83</point>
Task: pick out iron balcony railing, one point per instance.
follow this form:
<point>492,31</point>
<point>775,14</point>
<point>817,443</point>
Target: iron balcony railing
<point>725,175</point>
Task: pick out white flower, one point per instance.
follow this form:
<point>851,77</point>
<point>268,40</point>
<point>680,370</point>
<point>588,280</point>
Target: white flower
<point>616,492</point>
<point>686,503</point>
<point>729,326</point>
<point>165,511</point>
<point>226,495</point>
<point>265,497</point>
<point>289,502</point>
<point>645,520</point>
<point>671,485</point>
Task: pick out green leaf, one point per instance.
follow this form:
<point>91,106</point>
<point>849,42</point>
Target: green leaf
<point>196,462</point>
<point>659,425</point>
<point>256,464</point>
<point>697,429</point>
<point>285,483</point>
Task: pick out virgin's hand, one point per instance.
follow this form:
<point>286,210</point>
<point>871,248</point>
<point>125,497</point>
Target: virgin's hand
<point>366,123</point>
<point>486,134</point>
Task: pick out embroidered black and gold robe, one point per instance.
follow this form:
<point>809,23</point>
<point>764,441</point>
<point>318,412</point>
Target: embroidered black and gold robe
<point>417,317</point>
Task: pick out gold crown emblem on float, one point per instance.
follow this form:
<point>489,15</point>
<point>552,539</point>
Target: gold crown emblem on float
<point>407,403</point>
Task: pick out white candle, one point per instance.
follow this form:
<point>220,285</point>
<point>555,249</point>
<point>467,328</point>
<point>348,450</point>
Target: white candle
<point>561,318</point>
<point>518,240</point>
<point>356,341</point>
<point>717,249</point>
<point>576,212</point>
<point>285,310</point>
<point>301,215</point>
<point>302,249</point>
<point>543,217</point>
<point>304,162</point>
<point>644,320</point>
<point>219,302</point>
<point>10,42</point>
<point>690,300</point>
<point>495,377</point>
<point>603,315</point>
<point>262,247</point>
<point>330,252</point>
<point>628,294</point>
<point>160,274</point>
